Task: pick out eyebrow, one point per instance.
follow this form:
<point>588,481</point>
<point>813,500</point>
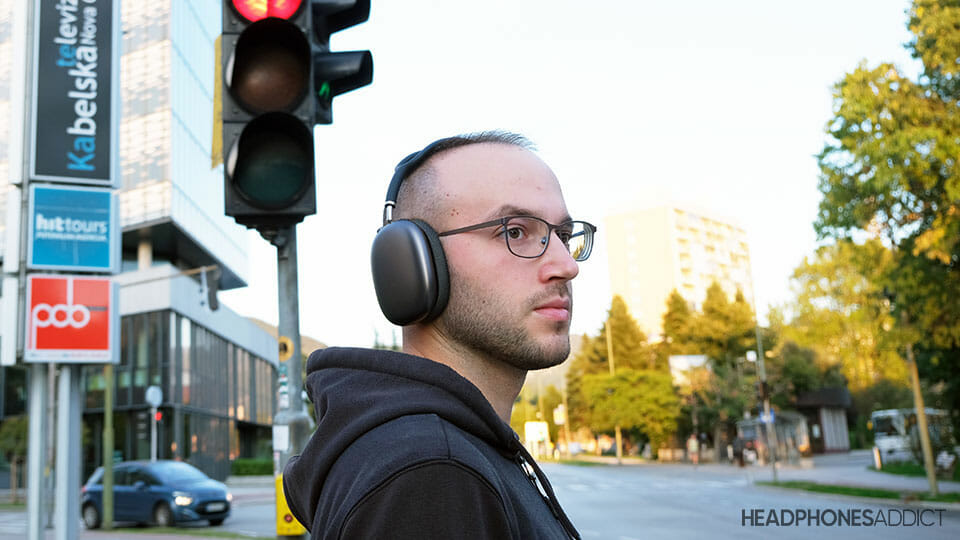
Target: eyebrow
<point>511,210</point>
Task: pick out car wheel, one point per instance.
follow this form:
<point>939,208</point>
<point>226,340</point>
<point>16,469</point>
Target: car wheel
<point>162,516</point>
<point>216,522</point>
<point>91,517</point>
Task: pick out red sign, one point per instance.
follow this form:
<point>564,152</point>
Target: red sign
<point>254,10</point>
<point>70,319</point>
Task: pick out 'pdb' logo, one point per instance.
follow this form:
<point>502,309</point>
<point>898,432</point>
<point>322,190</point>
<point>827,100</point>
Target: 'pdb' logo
<point>69,319</point>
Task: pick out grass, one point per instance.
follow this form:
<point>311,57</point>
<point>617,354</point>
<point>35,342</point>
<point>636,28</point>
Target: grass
<point>13,506</point>
<point>911,468</point>
<point>875,493</point>
<point>192,531</point>
<point>582,463</point>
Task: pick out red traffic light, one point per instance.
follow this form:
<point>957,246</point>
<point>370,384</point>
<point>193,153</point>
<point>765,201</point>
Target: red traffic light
<point>158,416</point>
<point>254,10</point>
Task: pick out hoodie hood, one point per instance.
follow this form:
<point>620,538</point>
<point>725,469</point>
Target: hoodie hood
<point>355,390</point>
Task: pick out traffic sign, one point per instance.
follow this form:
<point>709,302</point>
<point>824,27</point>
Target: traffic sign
<point>71,319</point>
<point>73,229</point>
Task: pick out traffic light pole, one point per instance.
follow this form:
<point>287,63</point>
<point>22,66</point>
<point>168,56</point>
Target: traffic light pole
<point>291,419</point>
<point>770,427</point>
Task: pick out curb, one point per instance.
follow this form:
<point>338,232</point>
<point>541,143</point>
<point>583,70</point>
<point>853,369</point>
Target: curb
<point>900,503</point>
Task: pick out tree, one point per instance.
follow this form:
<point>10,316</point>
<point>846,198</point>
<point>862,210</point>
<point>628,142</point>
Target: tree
<point>840,313</point>
<point>723,330</point>
<point>631,398</point>
<point>635,363</point>
<point>630,347</point>
<point>13,444</point>
<point>890,168</point>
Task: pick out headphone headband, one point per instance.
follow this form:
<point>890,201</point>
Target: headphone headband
<point>406,166</point>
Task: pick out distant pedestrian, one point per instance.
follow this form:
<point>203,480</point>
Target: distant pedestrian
<point>693,449</point>
<point>738,450</point>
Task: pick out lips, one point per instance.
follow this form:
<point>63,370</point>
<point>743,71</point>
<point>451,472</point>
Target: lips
<point>558,309</point>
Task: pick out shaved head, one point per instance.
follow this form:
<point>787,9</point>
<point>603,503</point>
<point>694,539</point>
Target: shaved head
<point>420,191</point>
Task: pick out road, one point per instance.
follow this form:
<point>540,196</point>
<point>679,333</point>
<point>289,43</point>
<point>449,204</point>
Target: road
<point>679,502</point>
<point>651,501</point>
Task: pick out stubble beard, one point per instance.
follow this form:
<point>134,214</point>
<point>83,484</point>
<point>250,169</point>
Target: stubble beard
<point>492,327</point>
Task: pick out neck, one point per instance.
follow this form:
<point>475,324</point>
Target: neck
<point>498,381</point>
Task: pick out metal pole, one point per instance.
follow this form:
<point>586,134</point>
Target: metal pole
<point>924,433</point>
<point>291,417</point>
<point>608,331</point>
<point>770,428</point>
<point>36,450</point>
<point>762,373</point>
<point>107,521</point>
<point>67,516</point>
<point>153,433</point>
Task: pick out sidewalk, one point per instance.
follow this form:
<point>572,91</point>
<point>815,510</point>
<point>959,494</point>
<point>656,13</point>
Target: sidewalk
<point>850,470</point>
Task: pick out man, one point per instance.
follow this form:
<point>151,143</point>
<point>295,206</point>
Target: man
<point>693,449</point>
<point>418,444</point>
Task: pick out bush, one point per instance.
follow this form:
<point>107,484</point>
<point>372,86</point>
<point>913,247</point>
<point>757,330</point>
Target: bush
<point>251,467</point>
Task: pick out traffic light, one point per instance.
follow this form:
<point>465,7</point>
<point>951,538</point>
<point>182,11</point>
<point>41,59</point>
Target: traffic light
<point>280,79</point>
<point>763,390</point>
<point>158,416</point>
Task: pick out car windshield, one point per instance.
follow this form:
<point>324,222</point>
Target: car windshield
<point>178,472</point>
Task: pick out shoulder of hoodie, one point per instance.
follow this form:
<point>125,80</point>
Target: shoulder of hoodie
<point>401,444</point>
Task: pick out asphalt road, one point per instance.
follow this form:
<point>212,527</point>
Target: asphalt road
<point>680,502</point>
<point>649,501</point>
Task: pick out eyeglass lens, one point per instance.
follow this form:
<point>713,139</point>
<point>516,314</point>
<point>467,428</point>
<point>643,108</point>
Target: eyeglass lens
<point>528,237</point>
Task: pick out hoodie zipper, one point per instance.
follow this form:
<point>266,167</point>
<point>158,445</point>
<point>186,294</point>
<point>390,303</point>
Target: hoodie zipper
<point>552,504</point>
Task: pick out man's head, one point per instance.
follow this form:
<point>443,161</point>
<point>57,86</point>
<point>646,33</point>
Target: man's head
<point>503,306</point>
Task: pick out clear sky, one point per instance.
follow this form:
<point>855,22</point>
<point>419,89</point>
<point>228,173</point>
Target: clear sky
<point>718,106</point>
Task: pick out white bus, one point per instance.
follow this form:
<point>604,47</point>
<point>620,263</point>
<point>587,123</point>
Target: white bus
<point>894,432</point>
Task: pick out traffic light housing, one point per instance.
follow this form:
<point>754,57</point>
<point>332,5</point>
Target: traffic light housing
<point>280,79</point>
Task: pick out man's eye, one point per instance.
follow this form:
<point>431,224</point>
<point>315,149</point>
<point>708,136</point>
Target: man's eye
<point>516,233</point>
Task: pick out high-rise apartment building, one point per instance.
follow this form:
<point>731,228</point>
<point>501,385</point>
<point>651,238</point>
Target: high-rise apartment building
<point>654,251</point>
<point>217,370</point>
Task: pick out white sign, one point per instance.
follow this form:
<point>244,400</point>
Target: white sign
<point>281,438</point>
<point>154,396</point>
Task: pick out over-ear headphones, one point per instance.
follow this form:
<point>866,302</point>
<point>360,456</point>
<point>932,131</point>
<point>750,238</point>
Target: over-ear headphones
<point>409,267</point>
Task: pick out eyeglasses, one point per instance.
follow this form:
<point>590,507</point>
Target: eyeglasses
<point>528,236</point>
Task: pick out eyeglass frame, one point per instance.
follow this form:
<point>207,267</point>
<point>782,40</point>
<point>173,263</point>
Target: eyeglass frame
<point>550,232</point>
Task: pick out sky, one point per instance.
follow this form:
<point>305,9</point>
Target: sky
<point>718,107</point>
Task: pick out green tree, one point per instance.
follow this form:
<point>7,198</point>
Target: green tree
<point>642,399</point>
<point>890,167</point>
<point>13,444</point>
<point>722,330</point>
<point>635,361</point>
<point>840,313</point>
<point>631,351</point>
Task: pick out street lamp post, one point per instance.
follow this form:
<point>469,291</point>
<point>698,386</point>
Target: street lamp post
<point>612,372</point>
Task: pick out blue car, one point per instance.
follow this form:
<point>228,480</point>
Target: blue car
<point>161,492</point>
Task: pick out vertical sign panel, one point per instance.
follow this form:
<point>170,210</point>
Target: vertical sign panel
<point>75,93</point>
<point>73,229</point>
<point>71,319</point>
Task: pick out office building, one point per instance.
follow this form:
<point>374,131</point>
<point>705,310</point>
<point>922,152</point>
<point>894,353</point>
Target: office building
<point>654,251</point>
<point>217,370</point>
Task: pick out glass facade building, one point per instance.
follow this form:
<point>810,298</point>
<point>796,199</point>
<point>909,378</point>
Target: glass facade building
<point>217,370</point>
<point>218,399</point>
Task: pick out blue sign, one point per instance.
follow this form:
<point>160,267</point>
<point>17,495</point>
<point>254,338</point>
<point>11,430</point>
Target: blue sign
<point>767,419</point>
<point>73,229</point>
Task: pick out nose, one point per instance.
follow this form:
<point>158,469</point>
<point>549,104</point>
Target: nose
<point>557,262</point>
